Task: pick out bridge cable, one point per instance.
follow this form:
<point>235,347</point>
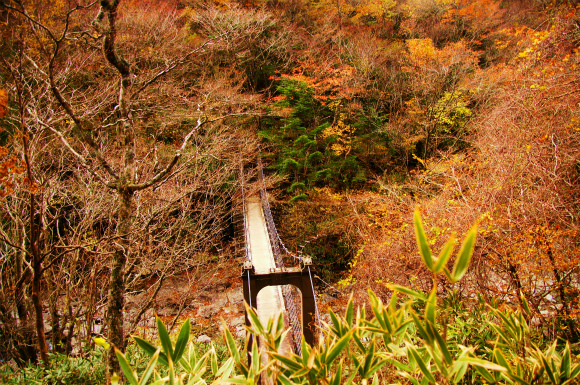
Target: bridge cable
<point>277,243</point>
<point>246,240</point>
<point>316,308</point>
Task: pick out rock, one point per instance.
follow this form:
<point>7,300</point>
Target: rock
<point>241,332</point>
<point>206,311</point>
<point>325,298</point>
<point>218,303</point>
<point>221,300</point>
<point>167,311</point>
<point>238,321</point>
<point>221,284</point>
<point>203,339</point>
<point>235,297</point>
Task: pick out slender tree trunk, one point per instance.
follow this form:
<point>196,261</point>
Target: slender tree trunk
<point>36,281</point>
<point>54,318</point>
<point>39,319</point>
<point>116,297</point>
<point>71,325</point>
<point>571,329</point>
<point>19,289</point>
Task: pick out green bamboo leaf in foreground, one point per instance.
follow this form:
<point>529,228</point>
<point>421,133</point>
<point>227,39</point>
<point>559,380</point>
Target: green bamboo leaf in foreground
<point>422,365</point>
<point>422,242</point>
<point>126,368</point>
<point>338,347</point>
<point>164,337</point>
<point>444,255</point>
<point>410,292</point>
<point>181,342</point>
<point>150,368</point>
<point>150,349</point>
<point>464,256</point>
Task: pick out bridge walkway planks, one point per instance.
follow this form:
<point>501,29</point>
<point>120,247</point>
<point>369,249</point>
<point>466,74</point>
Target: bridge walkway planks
<point>270,301</point>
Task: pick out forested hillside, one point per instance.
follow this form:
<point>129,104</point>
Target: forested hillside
<point>124,124</point>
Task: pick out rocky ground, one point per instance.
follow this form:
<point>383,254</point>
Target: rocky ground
<point>208,296</point>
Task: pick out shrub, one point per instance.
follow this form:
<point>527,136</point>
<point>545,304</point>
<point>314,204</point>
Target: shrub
<point>63,370</point>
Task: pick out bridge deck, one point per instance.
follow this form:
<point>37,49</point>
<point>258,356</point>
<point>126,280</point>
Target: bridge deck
<point>270,300</point>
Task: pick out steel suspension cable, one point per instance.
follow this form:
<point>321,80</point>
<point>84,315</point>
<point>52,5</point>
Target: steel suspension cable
<point>246,240</point>
<point>316,307</point>
<point>277,243</point>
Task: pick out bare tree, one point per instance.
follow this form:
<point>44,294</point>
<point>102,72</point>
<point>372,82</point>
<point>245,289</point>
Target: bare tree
<point>131,129</point>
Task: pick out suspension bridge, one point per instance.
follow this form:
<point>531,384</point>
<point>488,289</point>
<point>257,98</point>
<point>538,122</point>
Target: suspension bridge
<point>269,285</point>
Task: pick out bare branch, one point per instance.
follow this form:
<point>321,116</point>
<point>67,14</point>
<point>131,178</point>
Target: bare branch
<point>175,64</point>
<point>147,305</point>
<point>81,158</point>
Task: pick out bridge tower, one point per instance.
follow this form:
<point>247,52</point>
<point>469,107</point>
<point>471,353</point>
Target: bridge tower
<point>299,277</point>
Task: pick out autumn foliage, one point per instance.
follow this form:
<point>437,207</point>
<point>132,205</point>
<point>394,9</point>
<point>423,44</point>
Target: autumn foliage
<point>483,126</point>
<point>364,111</point>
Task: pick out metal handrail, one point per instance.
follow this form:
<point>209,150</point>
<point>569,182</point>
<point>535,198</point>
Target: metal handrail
<point>277,248</point>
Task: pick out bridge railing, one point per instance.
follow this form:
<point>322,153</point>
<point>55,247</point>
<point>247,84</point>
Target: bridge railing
<point>278,250</point>
<point>277,246</point>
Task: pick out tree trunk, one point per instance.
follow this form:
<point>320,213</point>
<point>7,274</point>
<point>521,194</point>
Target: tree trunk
<point>39,319</point>
<point>570,331</point>
<point>36,279</point>
<point>116,297</point>
<point>19,289</point>
<point>54,318</point>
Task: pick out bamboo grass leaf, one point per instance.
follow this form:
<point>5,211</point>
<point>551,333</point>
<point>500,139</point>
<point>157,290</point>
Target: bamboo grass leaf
<point>400,365</point>
<point>335,379</point>
<point>182,340</point>
<point>422,241</point>
<point>422,330</point>
<point>485,374</point>
<point>370,355</point>
<point>479,363</point>
<point>445,254</point>
<point>548,369</point>
<point>464,256</point>
<point>409,292</point>
<point>254,320</point>
<point>422,365</point>
<point>150,367</point>
<point>459,369</point>
<point>566,364</point>
<point>442,344</point>
<point>500,359</point>
<point>393,303</point>
<point>150,349</point>
<point>171,373</point>
<point>575,371</point>
<point>376,367</point>
<point>430,309</point>
<point>164,337</point>
<point>126,368</point>
<point>213,360</point>
<point>289,362</point>
<point>285,380</point>
<point>525,304</point>
<point>335,322</point>
<point>349,311</point>
<point>226,368</point>
<point>231,344</point>
<point>516,378</point>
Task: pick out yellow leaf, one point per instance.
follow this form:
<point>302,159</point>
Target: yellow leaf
<point>101,342</point>
<point>114,378</point>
